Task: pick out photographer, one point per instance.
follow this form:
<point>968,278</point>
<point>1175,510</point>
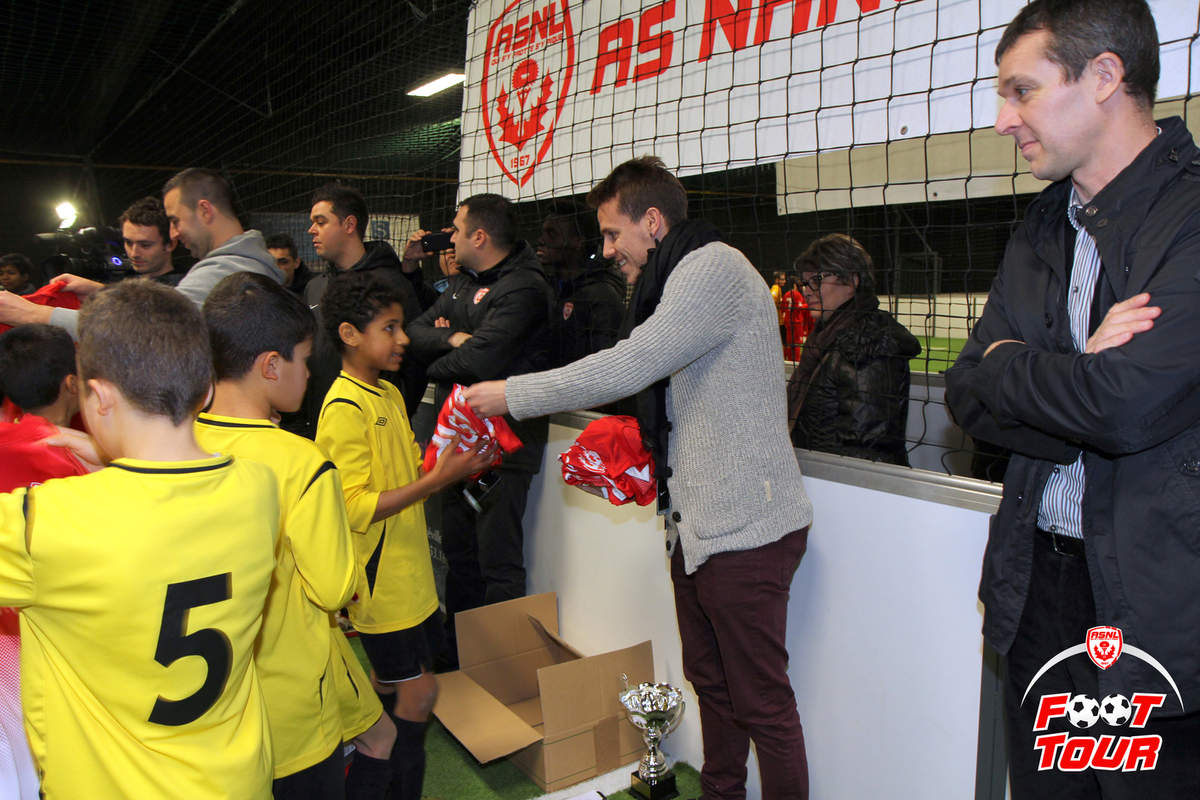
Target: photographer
<point>423,243</point>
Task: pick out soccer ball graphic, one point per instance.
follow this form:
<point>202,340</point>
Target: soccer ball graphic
<point>1115,710</point>
<point>1083,711</point>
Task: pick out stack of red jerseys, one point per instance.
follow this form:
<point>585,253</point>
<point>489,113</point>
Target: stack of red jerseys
<point>456,417</point>
<point>610,456</point>
<point>52,294</point>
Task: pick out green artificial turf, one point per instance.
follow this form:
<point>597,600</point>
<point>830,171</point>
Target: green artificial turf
<point>937,353</point>
<point>687,783</point>
<point>452,773</point>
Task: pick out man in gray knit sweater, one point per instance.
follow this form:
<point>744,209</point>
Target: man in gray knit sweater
<point>702,354</point>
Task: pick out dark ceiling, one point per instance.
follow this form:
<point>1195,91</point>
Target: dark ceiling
<point>103,100</point>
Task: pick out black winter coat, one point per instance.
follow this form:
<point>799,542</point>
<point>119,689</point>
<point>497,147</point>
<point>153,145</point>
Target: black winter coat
<point>506,309</point>
<point>1133,410</point>
<point>587,314</point>
<point>856,400</point>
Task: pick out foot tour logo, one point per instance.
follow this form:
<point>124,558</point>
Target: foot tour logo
<point>1116,719</point>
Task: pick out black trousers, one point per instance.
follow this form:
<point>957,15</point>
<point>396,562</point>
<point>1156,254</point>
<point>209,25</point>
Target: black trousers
<point>1058,612</point>
<point>485,550</point>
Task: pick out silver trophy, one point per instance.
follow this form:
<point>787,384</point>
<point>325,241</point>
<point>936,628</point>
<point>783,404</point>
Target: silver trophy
<point>656,709</point>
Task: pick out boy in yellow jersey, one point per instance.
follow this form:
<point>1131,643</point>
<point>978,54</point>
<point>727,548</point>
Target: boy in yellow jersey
<point>261,336</point>
<point>142,585</point>
<point>364,429</point>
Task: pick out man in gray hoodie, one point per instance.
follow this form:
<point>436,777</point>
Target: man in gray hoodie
<point>200,207</point>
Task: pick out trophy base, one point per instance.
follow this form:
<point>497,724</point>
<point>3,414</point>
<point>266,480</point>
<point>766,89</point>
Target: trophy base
<point>661,789</point>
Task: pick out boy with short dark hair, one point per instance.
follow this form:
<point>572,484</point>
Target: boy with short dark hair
<point>261,336</point>
<point>365,430</point>
<point>142,585</point>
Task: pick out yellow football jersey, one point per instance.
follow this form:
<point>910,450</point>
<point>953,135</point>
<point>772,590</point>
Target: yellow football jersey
<point>365,431</point>
<point>143,587</point>
<point>314,573</point>
<point>359,705</point>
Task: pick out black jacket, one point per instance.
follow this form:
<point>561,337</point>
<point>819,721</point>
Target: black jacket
<point>379,259</point>
<point>1133,410</point>
<point>506,309</point>
<point>856,403</point>
<point>587,314</point>
<point>300,279</point>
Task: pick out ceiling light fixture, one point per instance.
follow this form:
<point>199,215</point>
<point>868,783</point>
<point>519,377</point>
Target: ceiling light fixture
<point>437,85</point>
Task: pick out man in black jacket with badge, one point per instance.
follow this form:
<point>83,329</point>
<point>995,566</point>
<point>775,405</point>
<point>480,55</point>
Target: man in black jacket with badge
<point>1086,364</point>
<point>491,322</point>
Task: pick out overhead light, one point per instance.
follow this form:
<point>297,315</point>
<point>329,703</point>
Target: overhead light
<point>437,85</point>
<point>66,214</point>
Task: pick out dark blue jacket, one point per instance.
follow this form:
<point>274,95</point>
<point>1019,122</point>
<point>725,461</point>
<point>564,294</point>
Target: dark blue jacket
<point>1134,410</point>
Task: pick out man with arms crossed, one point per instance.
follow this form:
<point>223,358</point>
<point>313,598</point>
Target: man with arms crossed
<point>1095,392</point>
<point>703,325</point>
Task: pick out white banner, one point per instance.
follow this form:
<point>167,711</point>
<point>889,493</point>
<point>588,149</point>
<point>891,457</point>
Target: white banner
<point>560,91</point>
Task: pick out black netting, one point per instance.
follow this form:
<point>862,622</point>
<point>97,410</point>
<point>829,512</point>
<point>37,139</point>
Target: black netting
<point>106,101</point>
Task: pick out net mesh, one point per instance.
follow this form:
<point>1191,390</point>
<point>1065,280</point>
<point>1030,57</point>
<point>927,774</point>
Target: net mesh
<point>285,98</point>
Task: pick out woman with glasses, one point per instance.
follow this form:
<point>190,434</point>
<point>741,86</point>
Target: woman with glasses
<point>849,391</point>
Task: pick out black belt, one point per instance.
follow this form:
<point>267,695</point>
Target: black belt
<point>1062,544</point>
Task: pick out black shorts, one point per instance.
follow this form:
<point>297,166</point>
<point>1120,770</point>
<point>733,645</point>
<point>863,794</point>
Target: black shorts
<point>403,655</point>
<point>325,779</point>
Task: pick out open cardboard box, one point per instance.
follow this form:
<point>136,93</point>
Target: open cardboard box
<point>522,691</point>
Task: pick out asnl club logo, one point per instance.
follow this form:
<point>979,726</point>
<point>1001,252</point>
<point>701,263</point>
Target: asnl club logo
<point>528,65</point>
<point>1117,746</point>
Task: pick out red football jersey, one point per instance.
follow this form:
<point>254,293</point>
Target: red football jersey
<point>52,294</point>
<point>24,458</point>
<point>456,417</point>
<point>609,455</point>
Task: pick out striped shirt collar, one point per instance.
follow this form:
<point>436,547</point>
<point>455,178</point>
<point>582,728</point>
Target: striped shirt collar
<point>1074,208</point>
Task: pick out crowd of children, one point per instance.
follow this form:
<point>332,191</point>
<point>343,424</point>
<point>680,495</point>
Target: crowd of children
<point>177,604</point>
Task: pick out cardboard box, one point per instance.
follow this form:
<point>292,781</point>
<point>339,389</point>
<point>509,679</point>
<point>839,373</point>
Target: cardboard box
<point>523,692</point>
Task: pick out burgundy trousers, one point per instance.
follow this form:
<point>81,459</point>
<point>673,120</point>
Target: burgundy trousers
<point>733,624</point>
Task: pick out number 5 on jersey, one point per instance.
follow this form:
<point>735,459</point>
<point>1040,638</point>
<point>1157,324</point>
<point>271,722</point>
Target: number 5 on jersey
<point>174,643</point>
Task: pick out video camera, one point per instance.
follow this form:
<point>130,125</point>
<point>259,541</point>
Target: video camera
<point>95,253</point>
